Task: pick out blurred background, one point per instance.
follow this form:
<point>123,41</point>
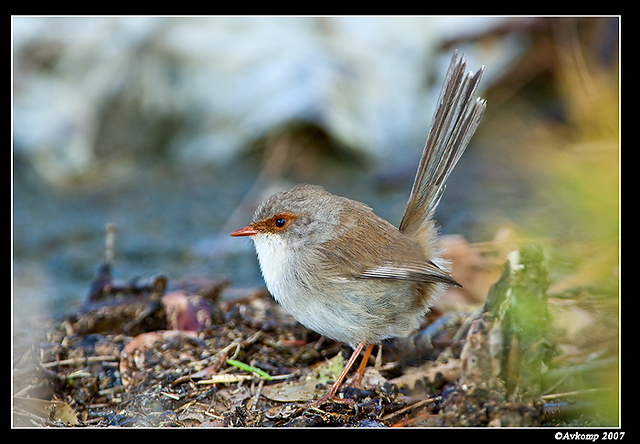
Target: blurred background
<point>174,129</point>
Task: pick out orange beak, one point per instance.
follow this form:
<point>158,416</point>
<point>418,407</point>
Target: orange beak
<point>246,231</point>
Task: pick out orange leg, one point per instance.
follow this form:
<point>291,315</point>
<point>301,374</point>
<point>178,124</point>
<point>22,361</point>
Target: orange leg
<point>334,388</point>
<point>363,364</point>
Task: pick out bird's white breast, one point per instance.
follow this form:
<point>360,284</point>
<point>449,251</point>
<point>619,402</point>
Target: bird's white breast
<point>274,258</point>
<point>284,275</point>
<point>333,306</point>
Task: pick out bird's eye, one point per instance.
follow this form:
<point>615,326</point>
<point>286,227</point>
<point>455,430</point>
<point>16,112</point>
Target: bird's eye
<point>281,221</point>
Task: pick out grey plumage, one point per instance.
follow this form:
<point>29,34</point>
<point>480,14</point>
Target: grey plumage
<point>456,118</point>
<point>348,274</point>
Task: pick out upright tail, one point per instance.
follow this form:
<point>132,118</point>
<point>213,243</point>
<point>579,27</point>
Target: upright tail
<point>455,120</point>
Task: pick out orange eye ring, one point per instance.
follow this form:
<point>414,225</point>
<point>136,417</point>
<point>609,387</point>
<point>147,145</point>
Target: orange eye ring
<point>281,221</point>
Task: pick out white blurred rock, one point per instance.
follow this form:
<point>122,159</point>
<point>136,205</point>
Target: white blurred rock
<point>229,80</point>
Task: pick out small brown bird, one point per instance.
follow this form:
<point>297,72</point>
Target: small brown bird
<point>342,271</point>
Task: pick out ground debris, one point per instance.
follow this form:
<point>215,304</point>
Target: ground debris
<point>505,351</point>
<point>245,367</point>
<point>195,353</point>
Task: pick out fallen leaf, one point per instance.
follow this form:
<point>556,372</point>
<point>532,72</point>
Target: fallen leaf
<point>470,268</point>
<point>450,370</point>
<point>305,389</point>
<point>50,410</point>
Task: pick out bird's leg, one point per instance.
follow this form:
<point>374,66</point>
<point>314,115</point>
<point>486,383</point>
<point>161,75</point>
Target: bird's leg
<point>336,385</point>
<point>357,379</point>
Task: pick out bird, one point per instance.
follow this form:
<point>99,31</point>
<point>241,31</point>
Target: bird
<point>346,273</point>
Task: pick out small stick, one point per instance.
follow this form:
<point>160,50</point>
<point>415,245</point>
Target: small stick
<point>258,393</point>
<point>409,407</point>
<point>76,361</point>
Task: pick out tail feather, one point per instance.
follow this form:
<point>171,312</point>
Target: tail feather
<point>455,120</point>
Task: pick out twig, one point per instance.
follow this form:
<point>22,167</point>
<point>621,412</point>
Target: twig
<point>258,393</point>
<point>80,361</point>
<point>409,407</point>
<point>213,416</point>
<point>171,395</point>
<point>226,378</point>
<point>109,242</point>
<point>111,391</point>
<point>572,393</point>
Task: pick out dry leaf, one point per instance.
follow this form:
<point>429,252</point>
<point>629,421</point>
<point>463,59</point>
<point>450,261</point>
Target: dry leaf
<point>305,389</point>
<point>450,370</point>
<point>49,410</point>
